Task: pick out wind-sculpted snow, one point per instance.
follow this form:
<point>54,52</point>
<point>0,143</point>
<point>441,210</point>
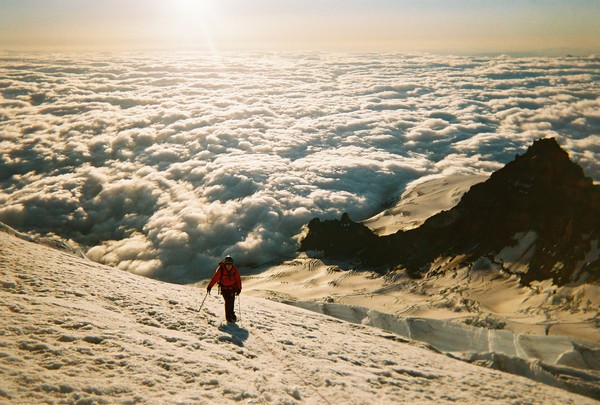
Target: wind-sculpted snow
<point>161,164</point>
<point>75,331</point>
<point>547,359</point>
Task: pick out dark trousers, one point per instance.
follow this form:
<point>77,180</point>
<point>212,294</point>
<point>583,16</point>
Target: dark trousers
<point>229,297</point>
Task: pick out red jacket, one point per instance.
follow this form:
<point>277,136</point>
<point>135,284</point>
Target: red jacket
<point>228,280</point>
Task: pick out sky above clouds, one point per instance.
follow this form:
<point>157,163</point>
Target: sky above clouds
<point>443,26</point>
<point>161,164</point>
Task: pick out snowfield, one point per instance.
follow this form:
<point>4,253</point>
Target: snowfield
<point>421,200</point>
<point>74,331</point>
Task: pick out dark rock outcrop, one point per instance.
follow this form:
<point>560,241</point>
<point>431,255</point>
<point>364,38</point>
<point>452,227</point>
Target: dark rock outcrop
<point>542,192</point>
<point>343,238</point>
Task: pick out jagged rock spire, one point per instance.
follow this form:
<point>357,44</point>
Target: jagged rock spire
<point>541,193</point>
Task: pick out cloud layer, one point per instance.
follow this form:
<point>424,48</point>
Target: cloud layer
<point>162,164</point>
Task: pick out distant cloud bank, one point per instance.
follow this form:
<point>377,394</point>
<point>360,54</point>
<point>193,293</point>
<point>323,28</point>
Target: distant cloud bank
<point>162,164</point>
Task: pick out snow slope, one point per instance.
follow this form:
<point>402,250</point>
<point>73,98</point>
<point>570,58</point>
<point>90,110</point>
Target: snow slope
<point>458,295</point>
<point>544,332</point>
<point>73,331</point>
<point>421,200</point>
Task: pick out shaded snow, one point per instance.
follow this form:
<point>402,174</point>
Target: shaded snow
<point>76,331</point>
<point>516,258</point>
<point>592,255</point>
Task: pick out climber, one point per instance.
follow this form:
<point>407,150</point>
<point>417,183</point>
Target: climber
<point>230,284</point>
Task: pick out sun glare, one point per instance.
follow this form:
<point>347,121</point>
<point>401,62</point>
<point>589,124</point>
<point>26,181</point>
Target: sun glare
<point>190,22</point>
<point>185,9</point>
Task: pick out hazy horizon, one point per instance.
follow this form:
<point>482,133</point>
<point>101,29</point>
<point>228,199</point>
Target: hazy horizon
<point>466,27</point>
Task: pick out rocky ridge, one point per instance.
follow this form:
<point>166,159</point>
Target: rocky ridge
<point>541,207</point>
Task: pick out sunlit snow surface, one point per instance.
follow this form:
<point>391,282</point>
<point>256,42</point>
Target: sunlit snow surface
<point>555,360</point>
<point>166,162</point>
<point>74,331</point>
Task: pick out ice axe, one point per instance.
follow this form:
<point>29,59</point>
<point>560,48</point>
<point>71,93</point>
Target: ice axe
<point>201,305</point>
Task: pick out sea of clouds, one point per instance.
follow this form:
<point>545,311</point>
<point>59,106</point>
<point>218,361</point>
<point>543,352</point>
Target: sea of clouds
<point>161,164</point>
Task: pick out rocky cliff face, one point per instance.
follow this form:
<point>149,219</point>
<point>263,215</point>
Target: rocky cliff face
<point>542,194</point>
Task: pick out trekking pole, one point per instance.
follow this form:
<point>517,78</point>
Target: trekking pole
<point>240,308</point>
<point>201,305</point>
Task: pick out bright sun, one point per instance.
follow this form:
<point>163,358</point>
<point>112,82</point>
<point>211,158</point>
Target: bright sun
<point>191,8</point>
<point>189,21</point>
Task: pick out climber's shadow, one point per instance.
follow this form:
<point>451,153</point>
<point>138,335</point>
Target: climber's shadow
<point>237,335</point>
